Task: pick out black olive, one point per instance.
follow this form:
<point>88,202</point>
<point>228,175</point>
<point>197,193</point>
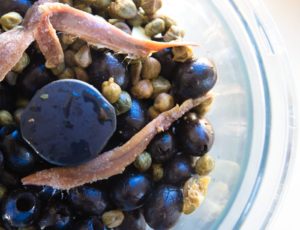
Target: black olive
<point>194,79</point>
<point>87,200</point>
<point>20,6</point>
<point>92,223</point>
<point>130,191</point>
<point>162,147</point>
<point>168,66</point>
<point>163,208</point>
<point>74,118</point>
<point>104,66</point>
<point>195,136</point>
<point>7,97</point>
<point>178,171</point>
<point>20,209</point>
<point>132,121</point>
<point>34,77</point>
<point>133,220</point>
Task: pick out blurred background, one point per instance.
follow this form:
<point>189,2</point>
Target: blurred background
<point>286,14</point>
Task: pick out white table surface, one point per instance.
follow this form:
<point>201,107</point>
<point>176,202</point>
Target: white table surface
<point>286,14</point>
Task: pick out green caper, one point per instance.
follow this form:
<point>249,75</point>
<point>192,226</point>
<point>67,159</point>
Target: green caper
<point>155,27</point>
<point>143,162</point>
<point>3,191</point>
<point>151,68</point>
<point>70,58</point>
<point>152,112</point>
<point>22,102</point>
<point>68,39</point>
<point>83,7</point>
<point>58,69</point>
<point>17,114</point>
<point>204,107</point>
<point>125,9</point>
<point>168,21</point>
<point>68,73</point>
<point>123,104</point>
<point>160,85</point>
<point>22,63</point>
<point>164,102</point>
<point>83,57</point>
<point>173,33</point>
<point>11,78</point>
<point>81,74</point>
<point>6,118</point>
<point>77,44</point>
<point>151,6</point>
<point>142,90</point>
<point>113,219</point>
<point>157,172</point>
<point>204,165</point>
<point>111,90</point>
<point>139,20</point>
<point>182,53</point>
<point>135,71</point>
<point>101,4</point>
<point>123,26</point>
<point>10,20</point>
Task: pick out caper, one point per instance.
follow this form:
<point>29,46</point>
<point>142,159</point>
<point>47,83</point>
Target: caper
<point>125,9</point>
<point>168,21</point>
<point>101,4</point>
<point>111,90</point>
<point>135,71</point>
<point>22,102</point>
<point>123,104</point>
<point>182,53</point>
<point>173,33</point>
<point>204,107</point>
<point>142,90</point>
<point>139,20</point>
<point>77,44</point>
<point>160,85</point>
<point>155,27</point>
<point>81,74</point>
<point>11,78</point>
<point>6,118</point>
<point>157,172</point>
<point>152,112</point>
<point>69,2</point>
<point>22,63</point>
<point>18,114</point>
<point>143,162</point>
<point>151,6</point>
<point>58,69</point>
<point>3,191</point>
<point>83,57</point>
<point>70,58</point>
<point>68,39</point>
<point>163,102</point>
<point>83,7</point>
<point>204,165</point>
<point>151,68</point>
<point>68,73</point>
<point>113,219</point>
<point>10,20</point>
<point>123,26</point>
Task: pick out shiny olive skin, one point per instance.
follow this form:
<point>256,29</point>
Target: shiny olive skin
<point>88,200</point>
<point>133,220</point>
<point>194,79</point>
<point>162,147</point>
<point>130,191</point>
<point>132,121</point>
<point>20,6</point>
<point>7,97</point>
<point>104,66</point>
<point>178,170</point>
<point>20,209</point>
<point>165,57</point>
<point>198,136</point>
<point>163,208</point>
<point>34,77</point>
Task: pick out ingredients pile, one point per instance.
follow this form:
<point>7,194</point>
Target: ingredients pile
<point>102,116</point>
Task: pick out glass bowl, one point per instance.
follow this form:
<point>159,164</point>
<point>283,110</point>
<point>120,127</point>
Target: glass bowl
<point>253,114</point>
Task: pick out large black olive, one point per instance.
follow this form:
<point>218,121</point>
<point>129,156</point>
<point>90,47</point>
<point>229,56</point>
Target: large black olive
<point>194,79</point>
<point>162,147</point>
<point>165,58</point>
<point>133,220</point>
<point>73,117</point>
<point>163,208</point>
<point>178,171</point>
<point>130,191</point>
<point>132,121</point>
<point>195,136</point>
<point>20,6</point>
<point>104,66</point>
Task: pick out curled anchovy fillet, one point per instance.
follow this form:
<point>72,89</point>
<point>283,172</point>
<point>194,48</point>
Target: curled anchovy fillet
<point>114,161</point>
<point>46,16</point>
